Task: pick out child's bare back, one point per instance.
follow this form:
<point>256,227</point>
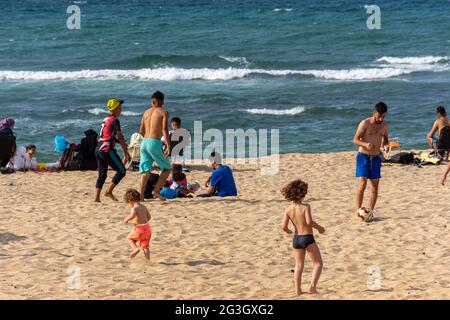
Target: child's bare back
<point>141,214</point>
<point>298,215</point>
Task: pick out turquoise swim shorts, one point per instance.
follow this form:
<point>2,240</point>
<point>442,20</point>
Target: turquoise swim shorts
<point>151,151</point>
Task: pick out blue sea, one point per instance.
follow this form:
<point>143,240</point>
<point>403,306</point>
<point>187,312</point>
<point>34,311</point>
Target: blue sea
<point>311,69</point>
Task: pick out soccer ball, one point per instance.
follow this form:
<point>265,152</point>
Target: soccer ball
<point>365,214</point>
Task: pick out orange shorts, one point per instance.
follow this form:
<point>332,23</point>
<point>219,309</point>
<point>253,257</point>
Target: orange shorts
<point>142,234</point>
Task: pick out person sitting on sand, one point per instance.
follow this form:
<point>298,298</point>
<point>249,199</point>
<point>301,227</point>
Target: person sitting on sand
<point>176,167</point>
<point>299,214</point>
<point>6,129</point>
<point>154,125</point>
<point>140,217</point>
<point>179,184</point>
<point>110,133</point>
<point>29,161</point>
<point>441,122</point>
<point>372,133</point>
<point>221,182</point>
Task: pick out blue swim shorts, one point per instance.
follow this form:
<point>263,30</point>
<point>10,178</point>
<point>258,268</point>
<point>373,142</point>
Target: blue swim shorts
<point>151,151</point>
<point>368,166</point>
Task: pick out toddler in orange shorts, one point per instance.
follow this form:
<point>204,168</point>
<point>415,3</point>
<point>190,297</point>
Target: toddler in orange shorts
<point>140,217</point>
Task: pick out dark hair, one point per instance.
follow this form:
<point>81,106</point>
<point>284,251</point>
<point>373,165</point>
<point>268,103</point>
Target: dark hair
<point>132,195</point>
<point>381,107</point>
<point>176,120</point>
<point>441,110</point>
<point>178,176</point>
<point>295,190</point>
<point>30,146</point>
<point>177,167</point>
<point>158,95</point>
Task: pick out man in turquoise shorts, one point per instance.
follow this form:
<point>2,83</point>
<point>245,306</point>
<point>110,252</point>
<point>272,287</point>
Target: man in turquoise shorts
<point>154,125</point>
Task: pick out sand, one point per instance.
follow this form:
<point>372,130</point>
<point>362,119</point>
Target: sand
<point>230,248</point>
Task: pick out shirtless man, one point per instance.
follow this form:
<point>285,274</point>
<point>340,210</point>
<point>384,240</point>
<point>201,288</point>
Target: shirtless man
<point>371,135</point>
<point>438,125</point>
<point>154,125</point>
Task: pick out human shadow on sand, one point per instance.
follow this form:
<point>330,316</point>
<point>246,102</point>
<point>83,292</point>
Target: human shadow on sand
<point>7,237</point>
<point>194,263</point>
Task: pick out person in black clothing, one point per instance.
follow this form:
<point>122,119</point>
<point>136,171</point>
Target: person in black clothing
<point>6,126</point>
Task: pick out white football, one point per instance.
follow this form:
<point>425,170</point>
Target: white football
<point>366,214</point>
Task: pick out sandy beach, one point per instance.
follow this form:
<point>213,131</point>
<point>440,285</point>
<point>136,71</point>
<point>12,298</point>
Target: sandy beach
<point>231,248</point>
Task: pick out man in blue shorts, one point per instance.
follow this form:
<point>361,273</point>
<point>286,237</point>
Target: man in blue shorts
<point>371,136</point>
<point>154,125</point>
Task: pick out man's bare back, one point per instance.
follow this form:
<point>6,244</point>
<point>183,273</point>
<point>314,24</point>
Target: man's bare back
<point>153,123</point>
<point>373,134</point>
<point>297,214</point>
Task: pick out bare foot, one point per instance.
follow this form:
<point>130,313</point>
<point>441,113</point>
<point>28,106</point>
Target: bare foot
<point>312,290</point>
<point>443,181</point>
<point>298,293</point>
<point>97,200</point>
<point>157,195</point>
<point>134,252</point>
<point>111,196</point>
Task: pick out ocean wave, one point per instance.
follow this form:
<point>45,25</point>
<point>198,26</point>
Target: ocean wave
<point>99,110</point>
<point>277,112</point>
<point>162,74</point>
<point>283,9</point>
<point>414,60</point>
<point>241,60</point>
<point>171,74</point>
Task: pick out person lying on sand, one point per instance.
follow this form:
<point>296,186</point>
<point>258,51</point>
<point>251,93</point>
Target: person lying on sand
<point>140,217</point>
<point>299,214</point>
<point>107,156</point>
<point>372,133</point>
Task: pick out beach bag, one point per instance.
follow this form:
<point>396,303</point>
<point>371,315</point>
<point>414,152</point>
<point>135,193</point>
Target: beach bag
<point>403,158</point>
<point>75,163</point>
<point>60,144</point>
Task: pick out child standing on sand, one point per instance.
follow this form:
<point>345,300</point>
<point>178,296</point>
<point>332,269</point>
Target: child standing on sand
<point>299,214</point>
<point>140,217</point>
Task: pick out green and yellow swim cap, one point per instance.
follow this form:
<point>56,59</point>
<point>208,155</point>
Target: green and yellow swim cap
<point>113,104</point>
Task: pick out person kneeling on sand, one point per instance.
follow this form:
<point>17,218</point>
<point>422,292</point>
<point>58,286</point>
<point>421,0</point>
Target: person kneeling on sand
<point>140,217</point>
<point>221,182</point>
<point>299,214</point>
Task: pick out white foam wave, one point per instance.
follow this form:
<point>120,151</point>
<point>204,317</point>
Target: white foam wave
<point>414,60</point>
<point>283,9</point>
<point>275,112</point>
<point>171,74</point>
<point>98,111</point>
<point>241,60</point>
